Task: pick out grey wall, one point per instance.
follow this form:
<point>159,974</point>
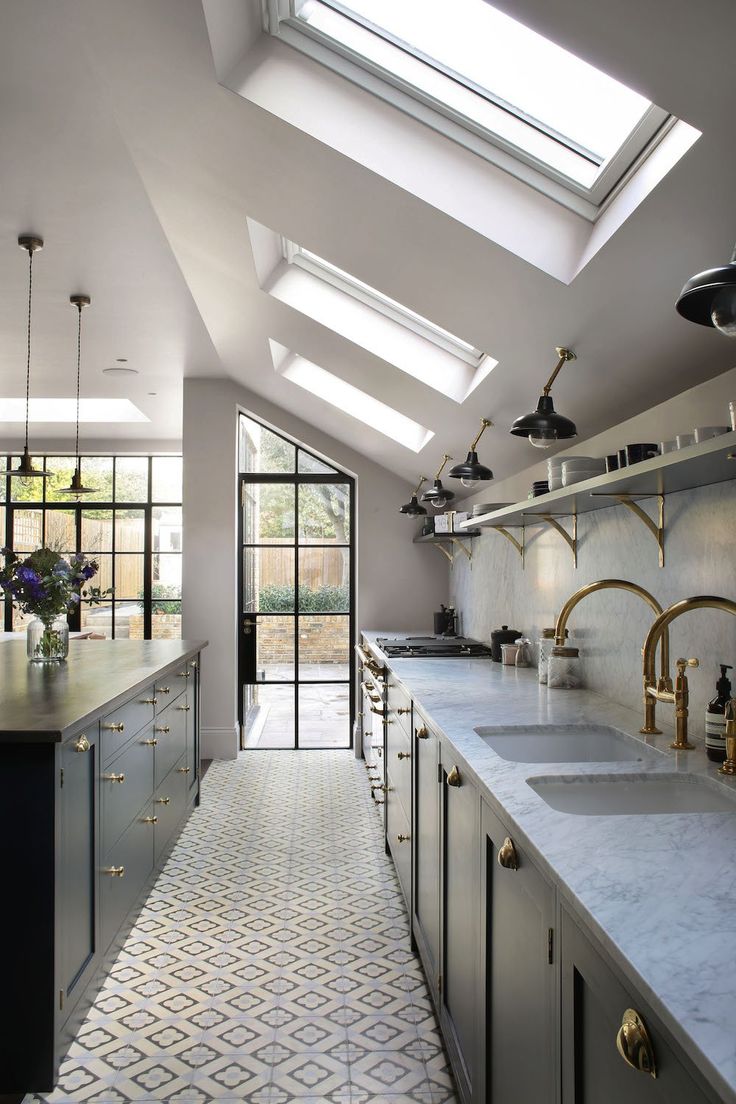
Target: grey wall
<point>609,627</point>
<point>398,584</point>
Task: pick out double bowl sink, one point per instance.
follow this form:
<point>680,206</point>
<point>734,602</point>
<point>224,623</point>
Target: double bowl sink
<point>604,794</point>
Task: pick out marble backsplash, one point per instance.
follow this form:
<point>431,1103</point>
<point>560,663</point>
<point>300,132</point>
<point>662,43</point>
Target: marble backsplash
<point>609,627</point>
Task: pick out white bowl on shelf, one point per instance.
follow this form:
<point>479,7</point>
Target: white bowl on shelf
<point>577,475</point>
<point>558,461</point>
<point>555,480</point>
<point>584,463</point>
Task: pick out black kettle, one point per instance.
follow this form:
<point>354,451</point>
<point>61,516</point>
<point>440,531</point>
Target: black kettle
<point>504,635</point>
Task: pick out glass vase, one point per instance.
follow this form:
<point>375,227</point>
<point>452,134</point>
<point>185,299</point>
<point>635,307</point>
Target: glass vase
<point>47,641</point>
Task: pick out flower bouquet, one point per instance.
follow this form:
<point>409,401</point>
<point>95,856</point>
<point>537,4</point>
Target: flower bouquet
<point>48,586</point>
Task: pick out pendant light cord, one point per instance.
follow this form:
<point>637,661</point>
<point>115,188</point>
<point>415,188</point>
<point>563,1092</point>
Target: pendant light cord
<point>79,361</point>
<point>28,341</point>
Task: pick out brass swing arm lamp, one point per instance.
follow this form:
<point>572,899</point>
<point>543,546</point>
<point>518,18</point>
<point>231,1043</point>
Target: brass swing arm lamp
<point>544,426</point>
<point>471,471</point>
<point>412,507</point>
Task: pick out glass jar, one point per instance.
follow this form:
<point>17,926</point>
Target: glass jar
<point>563,669</point>
<point>47,640</point>
<point>524,656</point>
<point>545,645</point>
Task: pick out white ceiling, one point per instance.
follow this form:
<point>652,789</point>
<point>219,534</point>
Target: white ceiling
<point>139,170</point>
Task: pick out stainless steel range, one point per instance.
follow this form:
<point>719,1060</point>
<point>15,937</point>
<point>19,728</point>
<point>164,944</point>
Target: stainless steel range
<point>432,647</point>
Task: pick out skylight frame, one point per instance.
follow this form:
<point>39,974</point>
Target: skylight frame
<point>384,304</point>
<point>282,21</point>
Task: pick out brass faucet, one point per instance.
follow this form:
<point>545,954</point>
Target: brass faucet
<point>665,683</point>
<point>680,694</point>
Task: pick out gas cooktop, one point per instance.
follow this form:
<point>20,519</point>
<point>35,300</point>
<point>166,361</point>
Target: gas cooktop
<point>432,647</point>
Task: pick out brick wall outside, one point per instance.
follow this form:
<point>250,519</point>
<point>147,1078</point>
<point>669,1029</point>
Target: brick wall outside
<point>164,626</point>
<point>322,639</point>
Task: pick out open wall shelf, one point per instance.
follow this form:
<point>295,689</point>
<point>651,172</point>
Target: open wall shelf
<point>450,543</point>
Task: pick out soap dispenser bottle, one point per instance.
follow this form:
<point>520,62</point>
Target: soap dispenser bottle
<point>715,718</point>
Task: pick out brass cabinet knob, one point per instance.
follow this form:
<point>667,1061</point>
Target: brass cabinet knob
<point>149,701</point>
<point>113,778</point>
<point>402,711</point>
<point>634,1045</point>
<point>162,728</point>
<point>163,690</point>
<point>422,733</point>
<point>81,743</point>
<point>149,820</point>
<point>117,726</point>
<point>184,708</point>
<point>114,871</point>
<point>507,855</point>
<point>150,743</point>
<point>453,778</point>
<point>403,755</point>
<point>161,800</point>
<point>402,839</point>
<point>183,770</point>
<point>193,663</point>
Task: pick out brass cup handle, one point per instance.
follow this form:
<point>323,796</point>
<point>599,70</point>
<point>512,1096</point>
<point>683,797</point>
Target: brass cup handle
<point>403,755</point>
<point>183,770</point>
<point>81,743</point>
<point>402,839</point>
<point>114,871</point>
<point>422,733</point>
<point>184,708</point>
<point>161,800</point>
<point>402,711</point>
<point>163,690</point>
<point>634,1045</point>
<point>453,778</point>
<point>150,743</point>
<point>507,855</point>
<point>184,674</point>
<point>116,726</point>
<point>149,820</point>
<point>162,728</point>
<point>113,778</point>
<point>149,701</point>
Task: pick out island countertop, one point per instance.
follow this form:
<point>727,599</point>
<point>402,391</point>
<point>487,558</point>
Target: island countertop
<point>43,703</point>
<point>657,891</point>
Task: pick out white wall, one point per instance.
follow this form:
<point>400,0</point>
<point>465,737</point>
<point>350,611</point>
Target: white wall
<point>398,584</point>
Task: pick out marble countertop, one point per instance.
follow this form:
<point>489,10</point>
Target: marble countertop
<point>658,891</point>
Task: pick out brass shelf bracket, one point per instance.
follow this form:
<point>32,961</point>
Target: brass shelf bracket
<point>655,528</point>
<point>457,545</point>
<point>570,539</point>
<point>445,552</point>
<point>518,545</point>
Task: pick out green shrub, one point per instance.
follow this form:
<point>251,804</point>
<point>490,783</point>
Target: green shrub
<point>325,599</point>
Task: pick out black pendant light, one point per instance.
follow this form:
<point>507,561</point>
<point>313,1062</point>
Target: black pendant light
<point>709,298</point>
<point>472,471</point>
<point>75,487</point>
<point>412,507</point>
<point>437,495</point>
<point>544,425</point>
<point>25,469</point>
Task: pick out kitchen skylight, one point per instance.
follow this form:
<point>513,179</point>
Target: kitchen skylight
<point>484,79</point>
<point>65,410</point>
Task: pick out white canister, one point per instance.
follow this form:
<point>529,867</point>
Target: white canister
<point>508,654</point>
<point>563,669</point>
<point>545,644</point>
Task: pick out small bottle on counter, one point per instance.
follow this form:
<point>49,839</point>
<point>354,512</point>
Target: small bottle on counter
<point>715,718</point>
<point>545,644</point>
<point>563,669</point>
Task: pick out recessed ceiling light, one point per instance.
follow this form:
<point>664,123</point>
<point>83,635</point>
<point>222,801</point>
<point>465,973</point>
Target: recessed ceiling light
<point>65,410</point>
<point>120,371</point>
<point>153,393</point>
<point>122,360</point>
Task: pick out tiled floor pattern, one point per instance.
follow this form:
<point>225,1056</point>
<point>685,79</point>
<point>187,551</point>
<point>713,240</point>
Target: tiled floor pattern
<point>271,961</point>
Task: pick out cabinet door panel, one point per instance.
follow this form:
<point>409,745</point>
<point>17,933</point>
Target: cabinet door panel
<point>427,848</point>
<point>170,731</point>
<point>398,837</point>
<point>77,861</point>
<point>519,975</point>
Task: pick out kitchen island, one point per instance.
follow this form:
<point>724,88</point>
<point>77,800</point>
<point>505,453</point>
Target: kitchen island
<point>541,927</point>
<point>99,762</point>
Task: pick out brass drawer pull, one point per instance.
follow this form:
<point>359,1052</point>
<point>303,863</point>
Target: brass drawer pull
<point>162,690</point>
<point>183,770</point>
<point>162,728</point>
<point>81,743</point>
<point>114,871</point>
<point>149,701</point>
<point>378,711</point>
<point>113,778</point>
<point>117,726</point>
<point>402,839</point>
<point>150,743</point>
<point>507,856</point>
<point>184,708</point>
<point>183,674</point>
<point>453,778</point>
<point>161,800</point>
<point>634,1045</point>
<point>403,710</point>
<point>149,820</point>
<point>403,755</point>
<point>422,733</point>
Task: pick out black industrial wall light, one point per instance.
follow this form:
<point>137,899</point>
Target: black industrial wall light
<point>437,495</point>
<point>544,425</point>
<point>471,471</point>
<point>412,507</point>
<point>709,298</point>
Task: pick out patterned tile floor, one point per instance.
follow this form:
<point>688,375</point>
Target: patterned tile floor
<point>271,961</point>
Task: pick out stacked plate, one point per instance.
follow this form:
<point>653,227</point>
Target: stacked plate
<point>540,487</point>
<point>554,470</point>
<point>578,468</point>
<point>486,508</point>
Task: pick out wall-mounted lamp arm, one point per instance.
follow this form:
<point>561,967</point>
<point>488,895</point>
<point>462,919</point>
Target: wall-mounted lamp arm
<point>564,355</point>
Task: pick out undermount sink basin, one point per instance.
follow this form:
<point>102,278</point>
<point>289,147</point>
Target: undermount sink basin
<point>575,743</point>
<point>632,795</point>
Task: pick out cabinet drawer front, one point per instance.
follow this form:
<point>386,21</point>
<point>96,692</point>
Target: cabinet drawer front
<point>125,721</point>
<point>399,840</point>
<point>398,759</point>
<point>170,732</point>
<point>167,688</point>
<point>169,804</point>
<point>126,785</point>
<point>399,705</point>
<point>124,871</point>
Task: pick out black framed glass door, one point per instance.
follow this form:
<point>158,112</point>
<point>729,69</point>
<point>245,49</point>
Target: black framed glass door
<point>296,599</point>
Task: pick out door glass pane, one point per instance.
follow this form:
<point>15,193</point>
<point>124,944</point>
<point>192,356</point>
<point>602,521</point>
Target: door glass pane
<point>3,481</point>
<point>27,530</point>
<point>97,473</point>
<point>324,647</point>
<point>274,648</point>
<point>130,530</point>
<point>268,513</point>
<point>103,578</point>
<point>97,618</point>
<point>264,451</point>
<point>324,716</point>
<point>270,719</point>
<point>309,463</point>
<point>129,576</point>
<point>166,479</point>
<point>166,534</point>
<point>268,580</point>
<point>62,470</point>
<point>128,617</point>
<point>97,531</point>
<point>166,576</point>
<point>324,580</point>
<point>165,620</point>
<point>61,531</point>
<point>131,479</point>
<point>324,513</point>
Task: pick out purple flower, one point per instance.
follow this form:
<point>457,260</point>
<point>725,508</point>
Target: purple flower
<point>89,570</point>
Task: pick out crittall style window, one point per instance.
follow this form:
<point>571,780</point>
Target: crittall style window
<point>131,525</point>
<point>296,595</point>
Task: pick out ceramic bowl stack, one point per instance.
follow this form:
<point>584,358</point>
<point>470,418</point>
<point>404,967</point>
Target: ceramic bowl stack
<point>575,469</point>
<point>554,471</point>
<point>486,508</point>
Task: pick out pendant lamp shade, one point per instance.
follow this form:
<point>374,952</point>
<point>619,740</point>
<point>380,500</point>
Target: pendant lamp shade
<point>437,495</point>
<point>412,507</point>
<point>76,487</point>
<point>25,469</point>
<point>709,298</point>
<point>471,471</point>
<point>544,426</point>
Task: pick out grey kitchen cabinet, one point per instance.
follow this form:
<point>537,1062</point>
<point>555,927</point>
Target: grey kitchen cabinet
<point>459,983</point>
<point>596,1002</point>
<point>426,824</point>
<point>519,972</point>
